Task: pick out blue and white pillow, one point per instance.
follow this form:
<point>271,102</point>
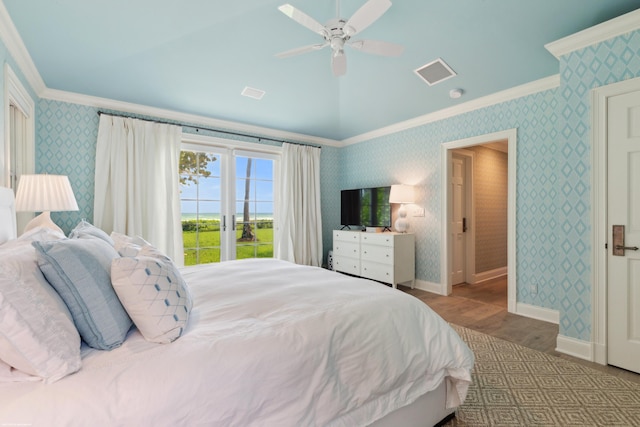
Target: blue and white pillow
<point>154,294</point>
<point>80,271</point>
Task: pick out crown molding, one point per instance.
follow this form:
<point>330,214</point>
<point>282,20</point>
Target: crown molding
<point>143,110</point>
<point>596,34</point>
<point>547,83</point>
<point>17,49</point>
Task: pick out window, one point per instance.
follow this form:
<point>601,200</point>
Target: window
<point>227,200</point>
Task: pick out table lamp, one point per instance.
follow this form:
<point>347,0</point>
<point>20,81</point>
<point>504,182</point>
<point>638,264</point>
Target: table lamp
<point>44,193</point>
<point>402,194</point>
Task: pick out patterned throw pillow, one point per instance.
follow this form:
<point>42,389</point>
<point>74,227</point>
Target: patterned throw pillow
<point>154,294</point>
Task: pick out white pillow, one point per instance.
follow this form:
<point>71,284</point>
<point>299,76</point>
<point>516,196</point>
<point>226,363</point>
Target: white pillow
<point>37,334</point>
<point>127,245</point>
<point>154,294</point>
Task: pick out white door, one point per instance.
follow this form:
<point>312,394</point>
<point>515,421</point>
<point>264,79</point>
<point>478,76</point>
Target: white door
<point>457,221</point>
<point>624,209</point>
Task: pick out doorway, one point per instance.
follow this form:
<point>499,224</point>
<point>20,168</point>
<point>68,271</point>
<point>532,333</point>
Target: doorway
<point>508,140</point>
<point>479,178</point>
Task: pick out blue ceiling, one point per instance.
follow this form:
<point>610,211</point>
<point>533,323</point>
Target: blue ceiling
<point>196,56</point>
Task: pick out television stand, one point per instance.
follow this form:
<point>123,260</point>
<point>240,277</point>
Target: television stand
<point>386,229</point>
<point>345,226</point>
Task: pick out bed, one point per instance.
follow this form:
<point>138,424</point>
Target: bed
<point>267,343</point>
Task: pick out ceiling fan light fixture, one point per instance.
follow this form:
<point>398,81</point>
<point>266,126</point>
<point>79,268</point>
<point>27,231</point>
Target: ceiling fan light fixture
<point>337,33</point>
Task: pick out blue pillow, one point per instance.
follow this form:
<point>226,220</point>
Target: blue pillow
<point>80,271</point>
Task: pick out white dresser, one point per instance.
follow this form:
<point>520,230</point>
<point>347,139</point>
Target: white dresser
<point>386,257</point>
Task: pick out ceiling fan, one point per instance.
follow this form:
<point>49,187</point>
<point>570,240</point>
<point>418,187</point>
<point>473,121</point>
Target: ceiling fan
<point>337,33</point>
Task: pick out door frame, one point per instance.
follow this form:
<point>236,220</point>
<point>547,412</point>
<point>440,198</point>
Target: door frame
<point>600,234</point>
<point>445,264</point>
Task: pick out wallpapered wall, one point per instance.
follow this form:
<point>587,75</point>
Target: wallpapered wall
<point>553,182</point>
<point>553,178</point>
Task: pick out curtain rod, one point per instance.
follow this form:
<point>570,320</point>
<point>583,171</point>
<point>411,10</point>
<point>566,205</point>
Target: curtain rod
<point>199,128</point>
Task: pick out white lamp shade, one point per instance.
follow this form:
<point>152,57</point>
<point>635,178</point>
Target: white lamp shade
<point>402,193</point>
<point>42,193</point>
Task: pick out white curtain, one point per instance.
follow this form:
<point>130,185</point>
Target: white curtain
<point>137,182</point>
<point>299,237</point>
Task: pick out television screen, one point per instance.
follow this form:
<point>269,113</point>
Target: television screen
<point>366,207</point>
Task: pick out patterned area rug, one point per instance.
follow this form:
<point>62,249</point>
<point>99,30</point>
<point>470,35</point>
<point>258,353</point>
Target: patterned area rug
<point>517,386</point>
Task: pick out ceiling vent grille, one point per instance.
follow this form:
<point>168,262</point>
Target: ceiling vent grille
<point>253,93</point>
<point>435,72</point>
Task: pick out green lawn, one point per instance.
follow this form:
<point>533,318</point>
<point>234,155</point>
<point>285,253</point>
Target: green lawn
<point>203,246</point>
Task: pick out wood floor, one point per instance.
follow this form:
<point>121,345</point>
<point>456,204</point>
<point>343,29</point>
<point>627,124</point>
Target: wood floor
<point>483,308</point>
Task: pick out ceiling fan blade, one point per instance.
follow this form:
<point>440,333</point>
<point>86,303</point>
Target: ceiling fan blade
<point>339,63</point>
<point>303,19</point>
<point>366,15</point>
<point>300,50</point>
<point>377,47</point>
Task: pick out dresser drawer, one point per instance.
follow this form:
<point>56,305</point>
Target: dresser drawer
<point>376,271</point>
<point>346,265</point>
<point>380,254</point>
<point>381,239</point>
<point>346,236</point>
<point>348,249</point>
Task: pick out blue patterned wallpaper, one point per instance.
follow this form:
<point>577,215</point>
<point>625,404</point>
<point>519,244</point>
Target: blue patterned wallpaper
<point>553,179</point>
<point>413,157</point>
<point>611,61</point>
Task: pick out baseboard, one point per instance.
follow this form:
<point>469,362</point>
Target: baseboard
<point>574,347</point>
<point>432,287</point>
<point>488,275</point>
<point>539,313</point>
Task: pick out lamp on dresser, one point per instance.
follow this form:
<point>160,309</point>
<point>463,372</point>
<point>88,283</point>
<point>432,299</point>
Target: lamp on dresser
<point>44,193</point>
<point>403,194</point>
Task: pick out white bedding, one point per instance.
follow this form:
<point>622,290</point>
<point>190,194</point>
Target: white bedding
<point>268,343</point>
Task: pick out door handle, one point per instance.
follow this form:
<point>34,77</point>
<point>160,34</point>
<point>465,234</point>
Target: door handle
<point>626,248</point>
<point>618,241</point>
<point>464,225</point>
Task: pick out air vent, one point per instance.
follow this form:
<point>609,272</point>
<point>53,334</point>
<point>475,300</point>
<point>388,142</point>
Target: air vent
<point>253,93</point>
<point>435,72</point>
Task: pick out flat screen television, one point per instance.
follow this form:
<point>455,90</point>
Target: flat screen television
<point>365,207</point>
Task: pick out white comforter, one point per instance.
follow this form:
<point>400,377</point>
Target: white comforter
<point>269,343</point>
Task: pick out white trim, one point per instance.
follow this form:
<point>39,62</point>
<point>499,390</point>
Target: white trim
<point>596,34</point>
<point>511,136</point>
<point>599,233</point>
<point>541,85</point>
<point>15,93</point>
<point>477,278</point>
<point>539,313</point>
<point>110,104</point>
<point>434,288</point>
<point>12,40</point>
<point>573,347</point>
